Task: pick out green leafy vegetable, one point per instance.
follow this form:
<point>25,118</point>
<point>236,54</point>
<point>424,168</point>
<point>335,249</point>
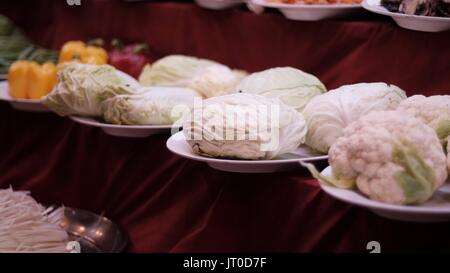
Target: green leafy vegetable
<point>417,178</point>
<point>81,89</point>
<point>292,86</point>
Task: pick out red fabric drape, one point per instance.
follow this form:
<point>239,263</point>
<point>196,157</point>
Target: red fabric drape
<point>167,203</point>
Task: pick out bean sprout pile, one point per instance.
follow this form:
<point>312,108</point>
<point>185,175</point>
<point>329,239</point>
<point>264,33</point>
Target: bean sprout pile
<point>27,226</point>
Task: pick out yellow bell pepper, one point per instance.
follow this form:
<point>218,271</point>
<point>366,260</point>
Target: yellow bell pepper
<point>79,51</point>
<point>30,80</point>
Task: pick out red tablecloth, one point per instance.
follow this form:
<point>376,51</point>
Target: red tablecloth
<point>167,203</point>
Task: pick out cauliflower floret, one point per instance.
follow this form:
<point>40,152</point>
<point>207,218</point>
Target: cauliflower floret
<point>433,110</point>
<point>392,158</point>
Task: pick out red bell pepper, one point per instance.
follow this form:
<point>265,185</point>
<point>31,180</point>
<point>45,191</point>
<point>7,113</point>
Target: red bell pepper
<point>130,59</point>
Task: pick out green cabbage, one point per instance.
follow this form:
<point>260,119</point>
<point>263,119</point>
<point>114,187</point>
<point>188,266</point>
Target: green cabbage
<point>174,70</point>
<point>216,81</point>
<point>238,126</point>
<point>292,86</point>
<point>207,77</point>
<point>152,106</point>
<point>417,179</point>
<point>81,89</point>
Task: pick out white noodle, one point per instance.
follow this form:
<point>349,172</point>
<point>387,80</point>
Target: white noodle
<point>26,226</point>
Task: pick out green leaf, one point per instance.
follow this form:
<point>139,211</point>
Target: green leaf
<point>417,178</point>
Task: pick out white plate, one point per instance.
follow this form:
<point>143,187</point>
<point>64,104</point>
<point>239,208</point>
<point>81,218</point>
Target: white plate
<point>21,104</point>
<point>218,4</point>
<point>177,144</point>
<point>437,209</point>
<point>413,22</point>
<point>310,12</point>
<point>125,130</point>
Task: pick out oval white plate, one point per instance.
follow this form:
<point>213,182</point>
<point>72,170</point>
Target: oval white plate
<point>310,12</point>
<point>177,144</point>
<point>125,130</point>
<point>21,104</point>
<point>218,4</point>
<point>413,22</point>
<point>437,209</point>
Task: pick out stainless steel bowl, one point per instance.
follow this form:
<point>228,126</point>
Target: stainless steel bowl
<point>95,233</point>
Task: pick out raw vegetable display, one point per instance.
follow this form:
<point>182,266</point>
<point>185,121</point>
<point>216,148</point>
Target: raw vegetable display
<point>390,157</point>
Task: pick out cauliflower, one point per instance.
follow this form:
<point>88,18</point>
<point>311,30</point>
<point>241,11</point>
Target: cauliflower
<point>390,157</point>
<point>433,110</point>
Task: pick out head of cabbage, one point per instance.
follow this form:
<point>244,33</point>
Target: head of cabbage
<point>81,88</point>
<point>448,153</point>
<point>292,86</point>
<point>206,77</point>
<point>328,114</point>
<point>151,106</point>
<point>244,126</point>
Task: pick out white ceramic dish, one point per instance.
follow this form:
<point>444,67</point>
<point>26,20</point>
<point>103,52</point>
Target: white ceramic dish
<point>21,104</point>
<point>134,131</point>
<point>178,145</point>
<point>413,22</point>
<point>218,4</point>
<point>310,12</point>
<point>435,210</point>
